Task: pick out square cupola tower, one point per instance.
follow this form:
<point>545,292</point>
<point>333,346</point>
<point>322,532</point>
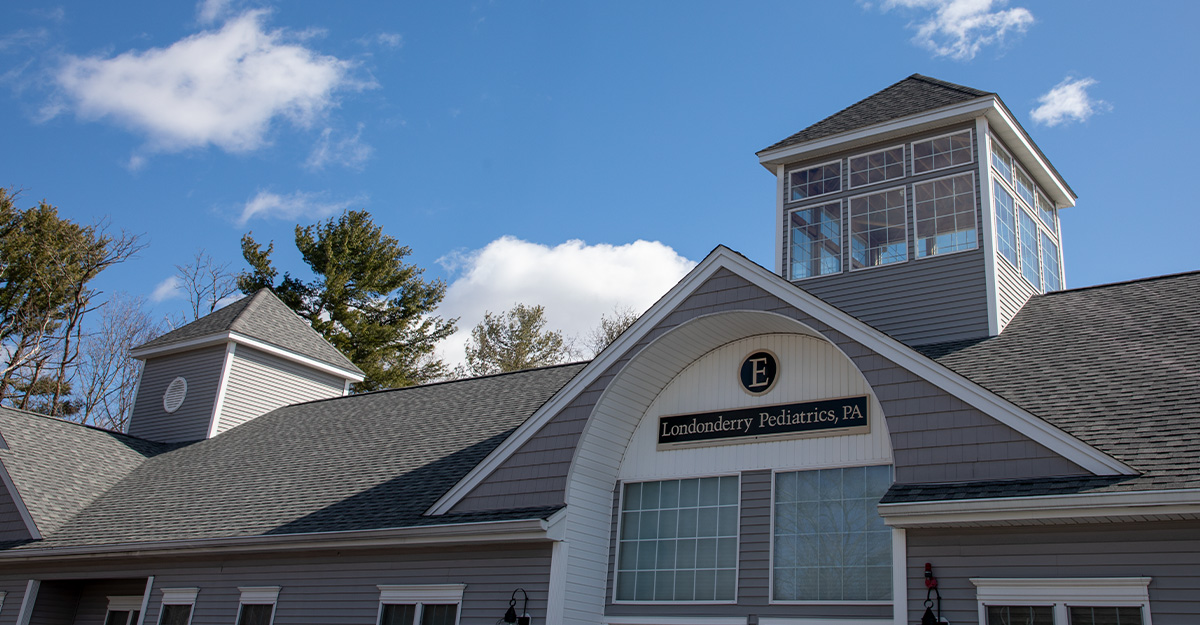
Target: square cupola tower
<point>925,210</point>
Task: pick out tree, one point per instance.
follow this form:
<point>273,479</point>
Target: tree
<point>365,299</point>
<point>610,328</point>
<point>206,283</point>
<point>515,340</point>
<point>46,266</point>
<point>107,375</point>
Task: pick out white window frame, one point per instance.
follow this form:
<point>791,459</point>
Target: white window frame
<point>258,595</point>
<point>903,163</point>
<point>124,603</point>
<point>842,207</point>
<point>849,252</point>
<point>912,151</point>
<point>898,546</point>
<point>994,145</point>
<point>787,191</point>
<point>179,596</point>
<point>420,596</point>
<point>737,567</point>
<point>974,207</point>
<point>1063,593</point>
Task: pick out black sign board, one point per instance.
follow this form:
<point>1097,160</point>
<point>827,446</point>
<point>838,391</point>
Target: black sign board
<point>829,416</point>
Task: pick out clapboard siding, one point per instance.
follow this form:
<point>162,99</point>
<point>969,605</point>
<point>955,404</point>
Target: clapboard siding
<point>1014,289</point>
<point>259,383</point>
<point>316,588</point>
<point>935,437</point>
<point>12,526</point>
<point>1167,552</point>
<point>202,370</point>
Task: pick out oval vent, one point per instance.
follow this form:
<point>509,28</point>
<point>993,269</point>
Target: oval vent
<point>176,391</point>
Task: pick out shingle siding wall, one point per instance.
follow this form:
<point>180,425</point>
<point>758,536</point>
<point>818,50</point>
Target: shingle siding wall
<point>259,383</point>
<point>12,527</point>
<point>202,370</point>
<point>935,437</point>
<point>324,587</point>
<point>1167,552</point>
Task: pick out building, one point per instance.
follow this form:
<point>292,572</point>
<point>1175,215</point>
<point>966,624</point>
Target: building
<point>788,447</point>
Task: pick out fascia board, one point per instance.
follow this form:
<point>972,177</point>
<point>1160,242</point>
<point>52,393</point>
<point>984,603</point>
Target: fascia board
<point>242,339</point>
<point>968,109</point>
<point>22,509</point>
<point>989,403</point>
<point>1014,136</point>
<point>449,534</point>
<point>1181,502</point>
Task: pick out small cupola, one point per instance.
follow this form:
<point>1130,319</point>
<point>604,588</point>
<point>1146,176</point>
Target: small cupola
<point>231,366</point>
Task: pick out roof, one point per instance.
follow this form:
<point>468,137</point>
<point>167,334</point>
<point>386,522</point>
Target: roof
<point>53,463</point>
<point>264,317</point>
<point>915,94</point>
<point>1117,366</point>
<point>371,461</point>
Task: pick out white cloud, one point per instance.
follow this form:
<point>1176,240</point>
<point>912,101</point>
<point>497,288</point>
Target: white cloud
<point>208,11</point>
<point>221,87</point>
<point>167,289</point>
<point>390,40</point>
<point>1067,101</point>
<point>960,28</point>
<point>346,151</point>
<point>267,205</point>
<point>575,282</point>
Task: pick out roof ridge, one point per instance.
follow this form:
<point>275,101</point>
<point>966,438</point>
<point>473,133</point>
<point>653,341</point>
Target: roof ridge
<point>951,85</point>
<point>1124,282</point>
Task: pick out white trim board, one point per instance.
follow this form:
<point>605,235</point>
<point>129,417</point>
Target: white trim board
<point>242,339</point>
<point>1027,510</point>
<point>1000,409</point>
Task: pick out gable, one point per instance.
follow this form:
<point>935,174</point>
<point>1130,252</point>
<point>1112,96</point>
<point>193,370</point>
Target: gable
<point>935,436</point>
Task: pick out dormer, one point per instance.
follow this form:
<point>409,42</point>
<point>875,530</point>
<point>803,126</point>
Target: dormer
<point>925,210</point>
<point>238,363</point>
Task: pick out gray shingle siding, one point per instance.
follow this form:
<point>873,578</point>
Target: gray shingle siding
<point>935,437</point>
<point>202,370</point>
<point>1167,552</point>
<point>259,383</point>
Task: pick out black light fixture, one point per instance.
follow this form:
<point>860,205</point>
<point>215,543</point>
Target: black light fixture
<point>511,615</point>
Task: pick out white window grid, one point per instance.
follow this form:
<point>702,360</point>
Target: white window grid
<point>828,234</point>
<point>257,596</point>
<point>1008,178</point>
<point>1062,594</point>
<point>1050,265</point>
<point>421,596</point>
<point>894,219</point>
<point>953,155</point>
<point>824,178</point>
<point>180,596</point>
<point>876,162</point>
<point>958,217</point>
<point>1030,250</point>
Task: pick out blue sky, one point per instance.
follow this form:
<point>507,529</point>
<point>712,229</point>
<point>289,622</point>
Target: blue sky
<point>579,155</point>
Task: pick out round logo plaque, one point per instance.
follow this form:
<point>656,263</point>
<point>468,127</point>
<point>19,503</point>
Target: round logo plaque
<point>759,372</point>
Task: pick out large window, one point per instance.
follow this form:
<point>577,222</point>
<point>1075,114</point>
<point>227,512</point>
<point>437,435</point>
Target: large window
<point>816,234</point>
<point>878,229</point>
<point>944,213</point>
<point>435,604</point>
<point>941,152</point>
<point>876,167</point>
<point>1031,259</point>
<point>1027,242</point>
<point>1063,601</point>
<point>1006,222</point>
<point>177,606</point>
<point>830,544</point>
<point>1050,270</point>
<point>678,540</point>
<point>814,181</point>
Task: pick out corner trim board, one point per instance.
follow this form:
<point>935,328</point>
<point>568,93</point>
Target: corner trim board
<point>27,601</point>
<point>214,421</point>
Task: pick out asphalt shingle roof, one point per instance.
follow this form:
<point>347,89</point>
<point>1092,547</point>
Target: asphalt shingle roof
<point>370,461</point>
<point>264,317</point>
<point>915,94</point>
<point>1117,366</point>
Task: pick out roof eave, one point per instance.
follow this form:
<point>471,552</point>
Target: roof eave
<point>1045,509</point>
<point>229,336</point>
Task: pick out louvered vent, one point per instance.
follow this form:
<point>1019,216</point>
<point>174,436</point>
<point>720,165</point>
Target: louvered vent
<point>176,391</point>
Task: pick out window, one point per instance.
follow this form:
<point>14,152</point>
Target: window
<point>944,213</point>
<point>123,610</point>
<point>878,229</point>
<point>1002,162</point>
<point>814,181</point>
<point>1064,601</point>
<point>257,606</point>
<point>1046,212</point>
<point>1024,186</point>
<point>830,544</point>
<point>1050,271</point>
<point>941,152</point>
<point>435,604</point>
<point>177,606</point>
<point>876,167</point>
<point>816,240</point>
<point>1006,222</point>
<point>678,540</point>
<point>1031,258</point>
